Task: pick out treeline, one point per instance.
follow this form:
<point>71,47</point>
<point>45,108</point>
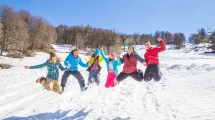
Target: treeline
<point>21,31</point>
<point>86,36</point>
<point>203,37</point>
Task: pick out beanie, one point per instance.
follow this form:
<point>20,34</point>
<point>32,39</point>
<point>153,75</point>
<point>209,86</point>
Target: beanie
<point>53,54</point>
<point>113,54</point>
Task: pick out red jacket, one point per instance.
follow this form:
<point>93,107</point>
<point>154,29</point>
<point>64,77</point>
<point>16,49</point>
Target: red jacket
<point>151,55</point>
<point>130,64</point>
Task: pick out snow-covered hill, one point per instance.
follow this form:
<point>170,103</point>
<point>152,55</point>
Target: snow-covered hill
<point>186,92</point>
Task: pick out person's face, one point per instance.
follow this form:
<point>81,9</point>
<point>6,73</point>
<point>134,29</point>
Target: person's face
<point>130,50</point>
<point>147,45</point>
<point>75,53</point>
<point>111,56</point>
<point>96,57</point>
<point>54,59</point>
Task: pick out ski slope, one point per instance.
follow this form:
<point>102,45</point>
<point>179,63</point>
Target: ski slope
<point>185,92</point>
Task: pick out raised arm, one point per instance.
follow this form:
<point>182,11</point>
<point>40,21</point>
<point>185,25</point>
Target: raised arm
<point>162,45</point>
<point>103,55</point>
<point>119,62</point>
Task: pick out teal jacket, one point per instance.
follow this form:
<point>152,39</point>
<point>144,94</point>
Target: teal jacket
<point>53,69</point>
<point>74,62</point>
<point>115,62</point>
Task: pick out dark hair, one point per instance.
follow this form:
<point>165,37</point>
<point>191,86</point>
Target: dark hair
<point>146,41</point>
<point>96,56</point>
<point>130,46</point>
<point>110,59</point>
<point>93,55</point>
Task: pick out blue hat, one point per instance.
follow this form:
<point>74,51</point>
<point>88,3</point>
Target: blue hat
<point>96,51</point>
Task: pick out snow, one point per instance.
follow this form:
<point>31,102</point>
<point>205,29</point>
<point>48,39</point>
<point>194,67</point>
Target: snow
<point>185,92</point>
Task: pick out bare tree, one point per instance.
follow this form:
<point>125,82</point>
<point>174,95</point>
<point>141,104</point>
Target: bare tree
<point>194,39</point>
<point>179,40</point>
<point>8,20</point>
<point>168,37</point>
<point>202,36</point>
<point>1,33</point>
<point>145,37</point>
<point>61,34</point>
<point>154,39</point>
<point>41,34</point>
<point>212,38</point>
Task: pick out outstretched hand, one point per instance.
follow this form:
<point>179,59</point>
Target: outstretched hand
<point>159,39</point>
<point>68,66</point>
<point>144,63</point>
<point>26,67</point>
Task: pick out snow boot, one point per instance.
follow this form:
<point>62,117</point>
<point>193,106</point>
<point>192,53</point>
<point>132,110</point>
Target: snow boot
<point>83,88</point>
<point>39,80</point>
<point>62,90</point>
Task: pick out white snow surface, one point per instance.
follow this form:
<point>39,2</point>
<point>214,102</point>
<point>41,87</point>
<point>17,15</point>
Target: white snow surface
<point>185,92</point>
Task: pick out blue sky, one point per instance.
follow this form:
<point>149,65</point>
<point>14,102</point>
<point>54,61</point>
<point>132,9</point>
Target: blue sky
<point>125,16</point>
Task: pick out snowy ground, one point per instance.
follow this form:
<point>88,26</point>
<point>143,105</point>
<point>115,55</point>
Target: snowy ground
<point>186,92</point>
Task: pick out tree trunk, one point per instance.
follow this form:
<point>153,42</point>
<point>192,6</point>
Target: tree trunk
<point>2,49</point>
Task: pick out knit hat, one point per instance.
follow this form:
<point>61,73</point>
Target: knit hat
<point>130,46</point>
<point>96,51</point>
<point>112,54</point>
<point>53,54</point>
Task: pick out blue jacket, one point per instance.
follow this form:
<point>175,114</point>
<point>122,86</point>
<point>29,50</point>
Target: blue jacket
<point>53,69</point>
<point>115,62</point>
<point>70,59</point>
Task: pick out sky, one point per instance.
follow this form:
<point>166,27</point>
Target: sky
<point>125,16</point>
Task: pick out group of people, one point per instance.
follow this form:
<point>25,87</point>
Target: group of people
<point>151,60</point>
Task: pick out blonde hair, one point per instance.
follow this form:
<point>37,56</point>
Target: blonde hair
<point>59,59</point>
<point>76,49</point>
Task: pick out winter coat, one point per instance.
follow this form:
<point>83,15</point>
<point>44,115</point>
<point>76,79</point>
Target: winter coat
<point>53,69</point>
<point>115,62</point>
<point>151,55</point>
<point>130,62</point>
<point>74,62</point>
<point>91,61</point>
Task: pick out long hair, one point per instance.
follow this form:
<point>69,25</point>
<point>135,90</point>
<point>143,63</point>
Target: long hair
<point>110,58</point>
<point>95,56</point>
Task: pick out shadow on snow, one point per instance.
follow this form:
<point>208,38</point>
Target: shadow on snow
<point>62,115</point>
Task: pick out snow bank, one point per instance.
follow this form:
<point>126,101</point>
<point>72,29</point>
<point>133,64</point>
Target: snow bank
<point>203,67</point>
<point>185,92</point>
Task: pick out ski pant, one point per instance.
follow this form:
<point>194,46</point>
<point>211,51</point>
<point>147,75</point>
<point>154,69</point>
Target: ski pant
<point>111,80</point>
<point>135,75</point>
<point>76,74</point>
<point>94,75</point>
<point>51,85</point>
<point>152,71</point>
